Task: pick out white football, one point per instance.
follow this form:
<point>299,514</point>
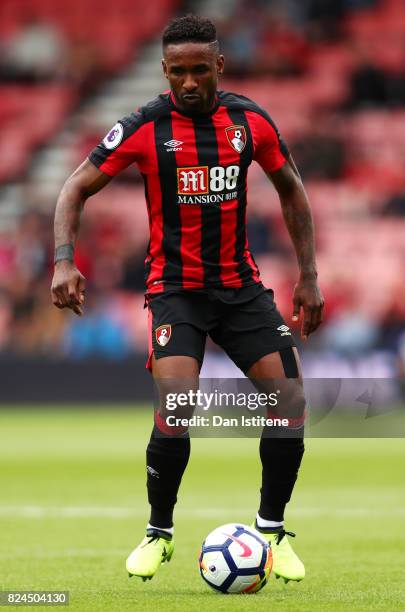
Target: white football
<point>235,558</point>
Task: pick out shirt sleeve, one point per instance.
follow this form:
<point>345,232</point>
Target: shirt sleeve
<point>121,147</point>
<point>270,151</point>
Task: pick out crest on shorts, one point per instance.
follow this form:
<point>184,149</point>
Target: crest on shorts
<point>236,135</point>
<point>163,334</point>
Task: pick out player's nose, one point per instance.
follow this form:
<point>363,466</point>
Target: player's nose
<point>190,83</point>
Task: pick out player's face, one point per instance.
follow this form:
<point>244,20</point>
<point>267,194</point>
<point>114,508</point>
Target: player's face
<point>192,70</point>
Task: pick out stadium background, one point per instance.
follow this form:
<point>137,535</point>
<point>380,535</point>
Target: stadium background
<point>332,75</point>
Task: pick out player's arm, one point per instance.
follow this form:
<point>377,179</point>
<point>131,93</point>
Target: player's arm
<point>68,283</point>
<point>298,219</point>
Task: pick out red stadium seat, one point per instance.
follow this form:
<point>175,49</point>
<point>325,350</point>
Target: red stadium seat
<point>19,104</point>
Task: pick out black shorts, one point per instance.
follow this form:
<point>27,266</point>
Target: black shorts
<point>245,322</point>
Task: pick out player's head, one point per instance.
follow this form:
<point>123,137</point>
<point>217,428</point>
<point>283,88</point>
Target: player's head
<point>192,62</point>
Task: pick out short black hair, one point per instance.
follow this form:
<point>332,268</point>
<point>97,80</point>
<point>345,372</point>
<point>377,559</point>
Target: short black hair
<point>190,28</point>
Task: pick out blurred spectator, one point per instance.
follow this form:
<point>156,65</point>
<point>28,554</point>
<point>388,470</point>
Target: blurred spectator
<point>350,333</point>
<point>84,66</point>
<point>368,85</point>
<point>239,45</point>
<point>376,81</point>
<point>6,314</point>
<point>31,248</point>
<point>134,272</point>
<point>392,321</point>
<point>324,18</point>
<point>36,326</point>
<point>394,206</point>
<point>263,234</point>
<point>259,231</point>
<point>97,334</point>
<point>401,359</point>
<point>282,51</point>
<point>320,154</point>
<point>36,53</point>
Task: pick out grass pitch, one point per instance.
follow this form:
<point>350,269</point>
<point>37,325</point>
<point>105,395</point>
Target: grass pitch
<point>73,505</point>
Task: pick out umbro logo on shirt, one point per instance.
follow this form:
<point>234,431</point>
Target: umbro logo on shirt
<point>174,145</point>
<point>285,331</point>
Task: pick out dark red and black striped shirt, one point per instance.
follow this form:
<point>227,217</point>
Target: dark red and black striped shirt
<point>195,173</point>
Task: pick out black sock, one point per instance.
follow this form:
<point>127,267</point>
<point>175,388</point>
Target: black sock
<point>281,459</point>
<point>166,460</point>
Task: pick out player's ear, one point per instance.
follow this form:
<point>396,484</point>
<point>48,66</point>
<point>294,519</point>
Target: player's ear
<point>220,64</point>
<point>164,66</point>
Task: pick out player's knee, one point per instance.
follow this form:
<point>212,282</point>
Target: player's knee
<point>292,401</point>
<point>175,397</point>
<point>297,402</point>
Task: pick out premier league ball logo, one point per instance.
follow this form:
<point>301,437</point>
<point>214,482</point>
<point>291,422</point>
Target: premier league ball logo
<point>236,135</point>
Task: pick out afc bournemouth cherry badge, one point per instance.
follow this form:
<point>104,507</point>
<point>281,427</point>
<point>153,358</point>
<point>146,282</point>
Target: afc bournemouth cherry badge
<point>236,135</point>
<point>163,334</point>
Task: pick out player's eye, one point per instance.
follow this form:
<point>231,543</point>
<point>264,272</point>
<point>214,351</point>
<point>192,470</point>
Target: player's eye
<point>201,69</point>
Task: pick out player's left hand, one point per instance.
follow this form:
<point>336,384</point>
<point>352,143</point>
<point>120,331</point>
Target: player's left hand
<point>308,296</point>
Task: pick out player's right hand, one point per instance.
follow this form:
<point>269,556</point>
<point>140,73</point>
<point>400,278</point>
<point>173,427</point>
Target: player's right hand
<point>68,287</point>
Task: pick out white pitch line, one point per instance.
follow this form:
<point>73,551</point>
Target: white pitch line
<point>71,552</point>
<point>40,512</point>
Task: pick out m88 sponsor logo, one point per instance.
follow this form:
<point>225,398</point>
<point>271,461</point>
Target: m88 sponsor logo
<point>204,185</point>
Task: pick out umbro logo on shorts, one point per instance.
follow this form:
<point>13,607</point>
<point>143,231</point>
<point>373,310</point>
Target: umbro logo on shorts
<point>174,145</point>
<point>285,331</point>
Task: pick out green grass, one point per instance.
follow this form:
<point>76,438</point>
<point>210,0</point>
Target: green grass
<point>72,506</point>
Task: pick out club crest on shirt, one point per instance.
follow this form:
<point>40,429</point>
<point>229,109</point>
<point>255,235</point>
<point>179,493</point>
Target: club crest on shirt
<point>114,136</point>
<point>236,135</point>
<point>163,334</point>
